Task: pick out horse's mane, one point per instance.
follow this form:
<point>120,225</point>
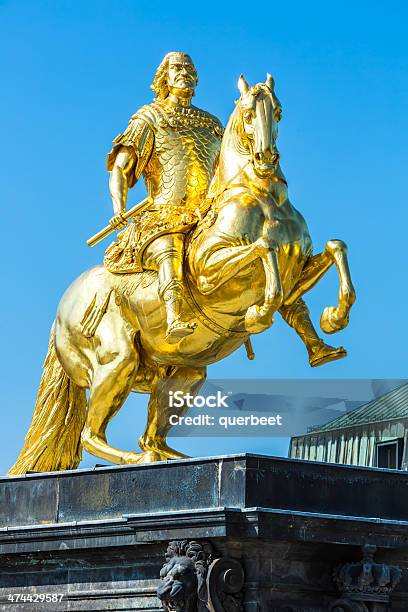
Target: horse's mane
<point>234,132</point>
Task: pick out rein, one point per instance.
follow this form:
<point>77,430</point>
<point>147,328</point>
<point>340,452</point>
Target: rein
<point>209,323</point>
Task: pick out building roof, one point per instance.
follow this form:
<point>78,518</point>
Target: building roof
<point>391,406</point>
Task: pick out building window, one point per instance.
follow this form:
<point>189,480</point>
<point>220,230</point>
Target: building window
<point>389,454</point>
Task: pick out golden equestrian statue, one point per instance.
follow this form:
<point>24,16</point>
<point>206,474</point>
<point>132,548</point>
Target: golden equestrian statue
<point>215,250</point>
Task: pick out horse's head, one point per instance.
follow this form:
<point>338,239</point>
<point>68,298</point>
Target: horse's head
<point>258,112</point>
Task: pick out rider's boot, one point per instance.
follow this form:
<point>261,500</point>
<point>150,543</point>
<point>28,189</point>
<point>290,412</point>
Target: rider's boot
<point>297,316</point>
<point>176,327</point>
<point>170,261</point>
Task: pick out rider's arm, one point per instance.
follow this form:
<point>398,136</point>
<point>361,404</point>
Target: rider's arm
<point>126,162</point>
<point>120,178</point>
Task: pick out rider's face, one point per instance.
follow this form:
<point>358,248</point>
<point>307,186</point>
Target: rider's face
<point>182,75</point>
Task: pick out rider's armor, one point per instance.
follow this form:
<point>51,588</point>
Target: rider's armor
<point>177,149</point>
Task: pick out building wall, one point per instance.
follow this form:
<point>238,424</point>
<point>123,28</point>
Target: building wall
<point>352,446</point>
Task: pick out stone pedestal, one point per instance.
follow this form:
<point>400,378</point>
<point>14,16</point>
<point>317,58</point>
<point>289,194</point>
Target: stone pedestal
<point>247,532</point>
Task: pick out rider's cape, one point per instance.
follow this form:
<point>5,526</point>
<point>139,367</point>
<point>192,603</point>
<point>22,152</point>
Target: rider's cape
<point>177,150</point>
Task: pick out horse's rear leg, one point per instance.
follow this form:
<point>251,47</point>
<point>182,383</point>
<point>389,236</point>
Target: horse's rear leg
<point>111,384</point>
<point>258,318</point>
<point>333,318</point>
<point>182,379</point>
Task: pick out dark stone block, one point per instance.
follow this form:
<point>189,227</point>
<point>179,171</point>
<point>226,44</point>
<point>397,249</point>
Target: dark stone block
<point>99,536</point>
<point>326,488</point>
<point>28,501</point>
<point>105,493</point>
<point>233,474</point>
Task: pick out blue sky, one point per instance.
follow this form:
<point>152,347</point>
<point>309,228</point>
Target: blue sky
<point>72,75</point>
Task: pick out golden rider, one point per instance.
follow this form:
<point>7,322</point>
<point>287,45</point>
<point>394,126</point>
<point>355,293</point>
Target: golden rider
<point>175,146</point>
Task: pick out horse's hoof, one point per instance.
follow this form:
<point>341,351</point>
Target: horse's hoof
<point>325,354</point>
<point>170,453</point>
<point>131,458</point>
<point>161,449</point>
<point>149,457</point>
<point>255,321</point>
<point>329,321</point>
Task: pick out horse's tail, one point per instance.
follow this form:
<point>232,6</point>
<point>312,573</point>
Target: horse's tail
<point>53,441</point>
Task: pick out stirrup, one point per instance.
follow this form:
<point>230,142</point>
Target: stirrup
<point>178,330</point>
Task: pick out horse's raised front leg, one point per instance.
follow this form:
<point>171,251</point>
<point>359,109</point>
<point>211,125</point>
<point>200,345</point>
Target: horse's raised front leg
<point>333,318</point>
<point>259,318</point>
<point>219,265</point>
<point>112,382</point>
<point>159,422</point>
<point>223,263</point>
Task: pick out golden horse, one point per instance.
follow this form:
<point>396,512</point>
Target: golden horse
<point>248,257</point>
